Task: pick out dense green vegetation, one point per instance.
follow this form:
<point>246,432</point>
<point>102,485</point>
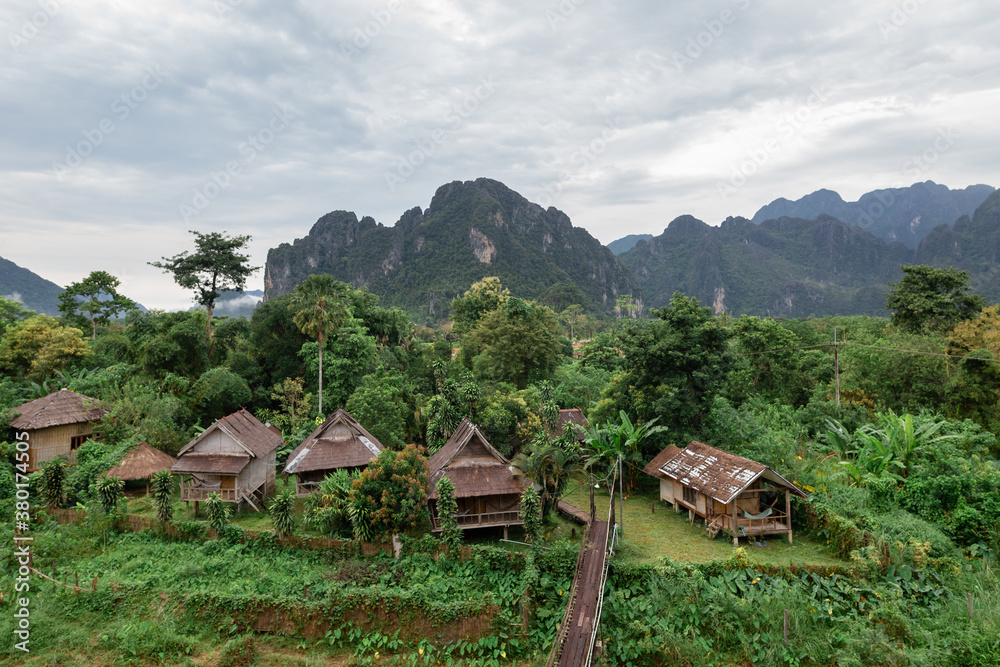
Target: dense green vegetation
<point>204,593</point>
<point>892,432</point>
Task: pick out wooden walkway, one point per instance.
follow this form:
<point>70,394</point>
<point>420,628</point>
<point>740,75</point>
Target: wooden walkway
<point>573,513</point>
<point>575,639</point>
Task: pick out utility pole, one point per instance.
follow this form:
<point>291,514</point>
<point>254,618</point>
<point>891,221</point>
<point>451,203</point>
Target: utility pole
<point>621,496</point>
<point>836,366</point>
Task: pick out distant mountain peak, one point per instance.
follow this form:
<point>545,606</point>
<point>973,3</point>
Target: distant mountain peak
<point>470,230</point>
<point>626,243</point>
<point>906,214</point>
<point>29,288</point>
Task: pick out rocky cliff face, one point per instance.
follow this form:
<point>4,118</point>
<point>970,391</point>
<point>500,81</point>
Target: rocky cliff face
<point>471,230</point>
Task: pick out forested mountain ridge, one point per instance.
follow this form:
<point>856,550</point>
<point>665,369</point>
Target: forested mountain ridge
<point>35,292</point>
<point>471,230</point>
<point>906,215</point>
<point>626,243</point>
<point>971,244</point>
<point>793,267</point>
<point>788,267</point>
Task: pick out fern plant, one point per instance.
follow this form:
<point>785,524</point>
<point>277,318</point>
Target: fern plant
<point>162,485</point>
<point>218,513</point>
<point>282,511</point>
<point>53,478</point>
<point>110,491</point>
<point>326,509</point>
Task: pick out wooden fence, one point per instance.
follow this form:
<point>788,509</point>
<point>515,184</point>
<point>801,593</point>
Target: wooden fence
<point>137,524</point>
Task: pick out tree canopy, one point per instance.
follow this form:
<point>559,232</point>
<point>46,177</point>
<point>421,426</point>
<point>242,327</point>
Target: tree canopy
<point>216,265</point>
<point>519,342</point>
<point>930,299</point>
<point>97,297</point>
<point>674,365</point>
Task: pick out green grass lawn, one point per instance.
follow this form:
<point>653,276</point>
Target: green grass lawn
<point>652,534</point>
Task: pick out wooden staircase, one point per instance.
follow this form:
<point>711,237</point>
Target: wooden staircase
<point>715,526</point>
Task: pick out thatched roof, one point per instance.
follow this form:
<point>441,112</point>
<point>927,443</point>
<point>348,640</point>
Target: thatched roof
<point>340,442</point>
<point>141,462</point>
<point>214,464</point>
<point>246,430</point>
<point>473,465</point>
<point>57,409</point>
<point>718,474</point>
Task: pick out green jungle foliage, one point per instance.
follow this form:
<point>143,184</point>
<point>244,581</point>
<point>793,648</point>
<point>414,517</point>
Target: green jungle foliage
<point>447,507</point>
<point>170,600</point>
<point>892,432</point>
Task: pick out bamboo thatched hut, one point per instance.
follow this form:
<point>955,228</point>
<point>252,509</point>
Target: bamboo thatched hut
<point>339,442</point>
<point>486,490</point>
<point>57,424</point>
<point>141,462</point>
<point>732,494</point>
<point>234,458</point>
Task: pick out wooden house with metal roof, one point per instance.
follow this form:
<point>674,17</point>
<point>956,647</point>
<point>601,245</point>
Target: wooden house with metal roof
<point>340,442</point>
<point>732,494</point>
<point>486,490</point>
<point>57,424</point>
<point>234,457</point>
<point>140,463</point>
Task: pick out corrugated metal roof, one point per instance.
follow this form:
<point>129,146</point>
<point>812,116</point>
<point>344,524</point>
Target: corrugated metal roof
<point>340,442</point>
<point>141,462</point>
<point>472,477</point>
<point>257,439</point>
<point>57,409</point>
<point>217,464</point>
<point>718,474</point>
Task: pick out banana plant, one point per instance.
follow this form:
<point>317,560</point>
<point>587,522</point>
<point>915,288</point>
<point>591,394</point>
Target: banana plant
<point>609,442</point>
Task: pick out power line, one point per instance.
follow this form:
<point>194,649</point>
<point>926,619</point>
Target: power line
<point>787,349</point>
<point>871,347</point>
<point>929,354</point>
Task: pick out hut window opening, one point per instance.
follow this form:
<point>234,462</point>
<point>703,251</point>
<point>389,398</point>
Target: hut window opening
<point>76,441</point>
<point>690,495</point>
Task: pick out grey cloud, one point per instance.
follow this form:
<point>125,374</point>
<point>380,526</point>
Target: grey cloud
<point>560,81</point>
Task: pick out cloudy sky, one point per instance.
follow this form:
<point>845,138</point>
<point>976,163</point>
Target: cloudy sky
<point>126,124</point>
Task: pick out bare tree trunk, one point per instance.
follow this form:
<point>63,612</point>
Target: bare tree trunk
<point>208,330</point>
<point>321,375</point>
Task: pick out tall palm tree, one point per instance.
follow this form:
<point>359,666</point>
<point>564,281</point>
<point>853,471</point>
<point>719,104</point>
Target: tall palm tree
<point>319,306</point>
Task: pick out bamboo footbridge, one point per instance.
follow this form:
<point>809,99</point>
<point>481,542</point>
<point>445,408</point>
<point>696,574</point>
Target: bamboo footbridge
<point>577,634</point>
